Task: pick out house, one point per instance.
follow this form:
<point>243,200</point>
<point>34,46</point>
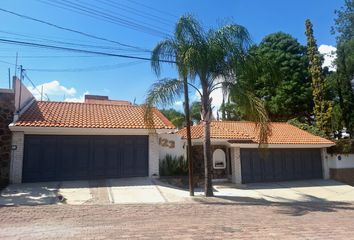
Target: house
<point>291,153</point>
<point>99,138</point>
<point>103,138</point>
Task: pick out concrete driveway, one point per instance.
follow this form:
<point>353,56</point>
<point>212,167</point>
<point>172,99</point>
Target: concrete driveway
<point>146,190</point>
<point>292,191</point>
<point>107,191</point>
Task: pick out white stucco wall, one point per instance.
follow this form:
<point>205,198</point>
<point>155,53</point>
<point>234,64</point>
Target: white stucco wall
<point>236,165</point>
<point>17,157</point>
<point>171,144</point>
<point>22,95</point>
<point>153,155</point>
<point>347,160</point>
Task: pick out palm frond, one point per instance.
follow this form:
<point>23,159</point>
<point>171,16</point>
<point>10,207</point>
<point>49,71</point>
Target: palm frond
<point>254,110</point>
<point>164,50</point>
<point>163,92</point>
<point>188,30</point>
<point>234,38</point>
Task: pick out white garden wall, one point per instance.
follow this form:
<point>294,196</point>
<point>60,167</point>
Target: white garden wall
<point>171,144</point>
<point>346,160</point>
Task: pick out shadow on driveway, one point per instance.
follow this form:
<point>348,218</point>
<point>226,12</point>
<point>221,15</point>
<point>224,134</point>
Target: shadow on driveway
<point>30,194</point>
<point>313,204</point>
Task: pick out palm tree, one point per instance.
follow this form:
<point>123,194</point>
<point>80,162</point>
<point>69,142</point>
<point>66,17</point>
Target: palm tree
<point>175,49</point>
<point>211,60</point>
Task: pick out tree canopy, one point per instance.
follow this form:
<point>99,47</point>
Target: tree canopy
<point>288,95</point>
<point>176,117</point>
<point>343,78</point>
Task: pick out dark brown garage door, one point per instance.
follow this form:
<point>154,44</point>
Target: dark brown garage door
<point>280,165</point>
<point>56,158</point>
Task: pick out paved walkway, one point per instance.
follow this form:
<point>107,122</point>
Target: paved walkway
<point>146,190</point>
<point>205,220</point>
<point>292,191</point>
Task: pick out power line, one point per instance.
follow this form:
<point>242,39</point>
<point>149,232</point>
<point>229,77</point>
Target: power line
<point>7,63</point>
<point>52,56</point>
<point>136,12</point>
<point>114,14</point>
<point>77,50</point>
<point>32,83</point>
<point>154,9</point>
<point>75,44</point>
<point>69,29</point>
<point>29,37</point>
<point>104,16</point>
<point>88,69</point>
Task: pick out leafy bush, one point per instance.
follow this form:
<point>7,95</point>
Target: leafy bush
<point>173,166</point>
<point>343,146</point>
<point>306,127</point>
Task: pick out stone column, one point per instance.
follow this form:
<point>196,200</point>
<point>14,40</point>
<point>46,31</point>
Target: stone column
<point>18,140</point>
<point>236,165</point>
<point>7,108</point>
<point>325,164</point>
<point>153,155</point>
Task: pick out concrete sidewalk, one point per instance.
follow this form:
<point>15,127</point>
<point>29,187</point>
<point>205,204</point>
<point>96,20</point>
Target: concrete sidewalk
<point>149,191</point>
<point>292,191</point>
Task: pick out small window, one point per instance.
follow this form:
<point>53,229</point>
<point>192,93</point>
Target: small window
<point>219,159</point>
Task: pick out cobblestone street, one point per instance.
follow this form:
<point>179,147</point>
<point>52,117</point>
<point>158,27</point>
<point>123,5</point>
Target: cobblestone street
<point>206,220</point>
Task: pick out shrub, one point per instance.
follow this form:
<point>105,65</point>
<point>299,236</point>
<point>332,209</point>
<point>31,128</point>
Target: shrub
<point>343,146</point>
<point>173,166</point>
<point>308,128</point>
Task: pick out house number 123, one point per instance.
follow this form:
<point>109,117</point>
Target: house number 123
<point>166,143</point>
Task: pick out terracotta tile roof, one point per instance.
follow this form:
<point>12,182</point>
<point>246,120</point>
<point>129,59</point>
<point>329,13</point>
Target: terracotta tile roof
<point>281,133</point>
<point>88,115</point>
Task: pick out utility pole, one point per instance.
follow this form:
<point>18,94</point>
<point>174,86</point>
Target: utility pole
<point>20,87</point>
<point>16,64</point>
<point>42,93</point>
<point>9,78</point>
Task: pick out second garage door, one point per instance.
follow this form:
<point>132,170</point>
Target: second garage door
<point>57,158</point>
<point>280,165</point>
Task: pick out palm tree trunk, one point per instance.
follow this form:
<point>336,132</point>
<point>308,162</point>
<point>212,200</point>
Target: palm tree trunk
<point>208,189</point>
<point>189,138</point>
<point>206,112</point>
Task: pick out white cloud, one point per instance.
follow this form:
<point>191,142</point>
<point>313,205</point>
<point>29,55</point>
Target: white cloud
<point>179,103</point>
<point>217,97</point>
<point>77,99</point>
<point>330,55</point>
<point>57,92</point>
<point>53,88</point>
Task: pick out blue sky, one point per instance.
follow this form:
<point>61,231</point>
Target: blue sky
<point>128,79</point>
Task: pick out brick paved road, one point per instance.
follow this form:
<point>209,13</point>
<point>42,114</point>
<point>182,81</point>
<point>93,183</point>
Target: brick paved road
<point>179,221</point>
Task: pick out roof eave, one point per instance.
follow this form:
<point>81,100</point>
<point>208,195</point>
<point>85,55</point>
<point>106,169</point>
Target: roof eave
<point>85,131</point>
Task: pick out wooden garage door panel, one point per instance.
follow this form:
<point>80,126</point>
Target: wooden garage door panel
<point>52,158</point>
<point>48,168</point>
<point>280,165</point>
<point>32,152</point>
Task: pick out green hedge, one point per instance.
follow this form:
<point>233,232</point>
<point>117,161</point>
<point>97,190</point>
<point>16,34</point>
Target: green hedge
<point>173,166</point>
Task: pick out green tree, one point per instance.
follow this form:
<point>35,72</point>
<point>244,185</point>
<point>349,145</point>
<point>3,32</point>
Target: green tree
<point>344,77</point>
<point>344,22</point>
<point>289,95</point>
<point>230,111</point>
<point>176,117</point>
<point>322,107</point>
<point>196,108</point>
<point>207,56</point>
